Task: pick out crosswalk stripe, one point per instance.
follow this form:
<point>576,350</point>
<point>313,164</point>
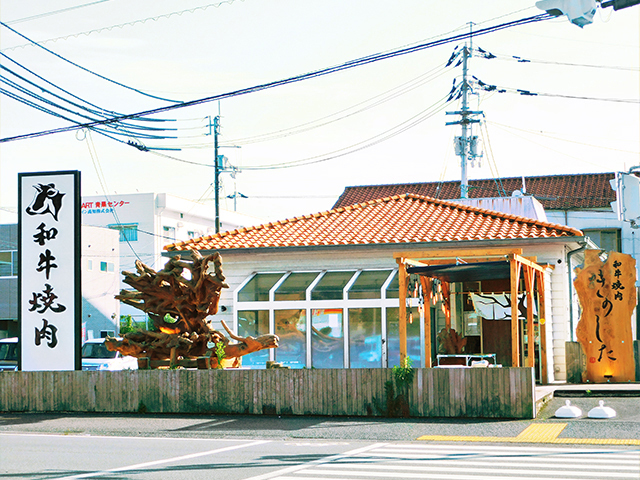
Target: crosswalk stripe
<point>476,462</point>
<point>451,450</point>
<point>633,463</point>
<point>494,448</point>
<point>427,475</point>
<point>604,459</point>
<point>464,467</point>
<point>295,468</point>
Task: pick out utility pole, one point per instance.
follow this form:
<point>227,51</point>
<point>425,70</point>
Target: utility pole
<point>216,185</point>
<point>466,145</point>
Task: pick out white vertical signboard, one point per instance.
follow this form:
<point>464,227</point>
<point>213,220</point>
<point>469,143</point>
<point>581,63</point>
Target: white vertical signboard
<point>49,272</point>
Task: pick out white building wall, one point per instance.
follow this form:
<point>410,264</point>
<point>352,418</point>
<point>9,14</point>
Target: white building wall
<point>600,220</point>
<point>100,282</point>
<point>557,305</point>
<point>238,266</point>
<point>592,219</point>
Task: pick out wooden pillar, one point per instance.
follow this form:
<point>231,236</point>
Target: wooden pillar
<point>426,291</point>
<point>542,320</point>
<point>529,282</point>
<point>446,301</point>
<point>402,310</point>
<point>515,330</point>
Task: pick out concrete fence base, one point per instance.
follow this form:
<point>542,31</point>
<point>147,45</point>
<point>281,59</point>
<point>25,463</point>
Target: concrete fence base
<point>435,392</point>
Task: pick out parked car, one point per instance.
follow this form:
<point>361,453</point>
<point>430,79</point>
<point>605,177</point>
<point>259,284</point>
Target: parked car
<point>9,354</point>
<point>95,356</point>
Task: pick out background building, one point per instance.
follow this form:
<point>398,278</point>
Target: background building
<point>100,283</point>
<point>582,201</point>
<point>146,222</point>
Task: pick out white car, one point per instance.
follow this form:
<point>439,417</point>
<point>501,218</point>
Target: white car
<point>9,354</point>
<point>95,356</point>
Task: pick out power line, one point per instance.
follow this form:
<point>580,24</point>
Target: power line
<point>43,96</point>
<point>381,98</point>
<point>54,12</point>
<point>86,69</point>
<point>314,74</point>
<point>494,88</point>
<point>386,135</point>
<point>544,134</point>
<point>111,27</point>
<point>480,53</point>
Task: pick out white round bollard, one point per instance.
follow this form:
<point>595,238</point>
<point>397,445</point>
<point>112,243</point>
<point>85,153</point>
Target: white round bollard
<point>568,411</point>
<point>601,411</point>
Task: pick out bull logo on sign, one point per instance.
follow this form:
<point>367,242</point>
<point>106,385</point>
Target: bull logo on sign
<point>48,199</point>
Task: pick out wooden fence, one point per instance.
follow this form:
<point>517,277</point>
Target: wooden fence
<point>435,392</point>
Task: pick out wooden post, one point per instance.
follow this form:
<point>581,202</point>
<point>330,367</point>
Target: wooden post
<point>542,320</point>
<point>515,331</point>
<point>426,291</point>
<point>402,310</point>
<point>529,282</point>
<point>173,358</point>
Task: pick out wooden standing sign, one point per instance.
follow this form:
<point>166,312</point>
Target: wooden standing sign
<point>607,296</point>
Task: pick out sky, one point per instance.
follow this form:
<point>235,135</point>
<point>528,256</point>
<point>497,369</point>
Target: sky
<point>379,123</point>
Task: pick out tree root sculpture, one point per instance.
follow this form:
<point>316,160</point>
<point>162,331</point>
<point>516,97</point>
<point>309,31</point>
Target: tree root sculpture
<point>450,341</point>
<point>178,307</point>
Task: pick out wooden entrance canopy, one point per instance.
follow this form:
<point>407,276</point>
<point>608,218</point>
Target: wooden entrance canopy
<point>472,265</point>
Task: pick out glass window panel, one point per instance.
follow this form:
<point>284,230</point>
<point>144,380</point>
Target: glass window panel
<point>295,286</point>
<point>393,288</point>
<point>365,337</point>
<point>6,264</point>
<point>257,290</point>
<point>327,339</point>
<point>393,337</point>
<point>169,235</point>
<point>128,232</point>
<point>254,323</point>
<point>369,284</point>
<point>97,350</point>
<point>291,327</point>
<point>15,262</point>
<point>331,285</point>
<point>609,241</point>
<point>8,351</point>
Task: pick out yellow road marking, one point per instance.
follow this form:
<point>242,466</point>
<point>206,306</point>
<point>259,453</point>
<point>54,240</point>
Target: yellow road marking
<point>534,433</point>
<point>541,432</point>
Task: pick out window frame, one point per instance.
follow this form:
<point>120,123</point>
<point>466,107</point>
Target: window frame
<point>308,305</point>
<point>617,231</point>
<point>125,228</point>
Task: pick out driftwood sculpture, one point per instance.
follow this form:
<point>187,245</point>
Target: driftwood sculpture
<point>178,307</point>
<point>450,342</point>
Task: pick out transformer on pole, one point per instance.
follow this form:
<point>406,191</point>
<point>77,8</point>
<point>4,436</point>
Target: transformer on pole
<point>466,145</point>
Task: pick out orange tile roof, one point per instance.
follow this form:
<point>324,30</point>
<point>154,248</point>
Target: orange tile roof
<point>398,219</point>
<point>555,192</point>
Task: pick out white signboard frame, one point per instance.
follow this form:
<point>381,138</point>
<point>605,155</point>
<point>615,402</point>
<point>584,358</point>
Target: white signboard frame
<point>49,287</point>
